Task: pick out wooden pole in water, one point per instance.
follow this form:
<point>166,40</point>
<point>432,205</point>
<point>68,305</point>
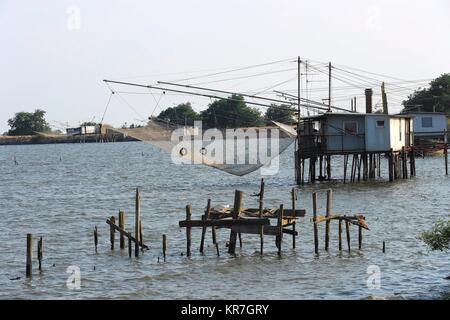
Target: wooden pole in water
<point>236,211</point>
<point>129,247</point>
<point>95,238</point>
<point>384,247</point>
<point>446,152</point>
<point>340,234</point>
<point>164,246</point>
<point>188,231</point>
<point>261,209</point>
<point>316,238</point>
<point>294,197</point>
<point>391,166</point>
<point>347,230</point>
<point>280,229</point>
<point>359,237</point>
<point>122,226</point>
<point>329,167</point>
<point>112,232</point>
<point>345,167</point>
<point>29,262</point>
<point>205,217</point>
<point>40,252</point>
<point>327,223</point>
<point>137,223</point>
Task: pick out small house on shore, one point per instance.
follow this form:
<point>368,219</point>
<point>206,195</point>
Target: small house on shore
<point>347,133</point>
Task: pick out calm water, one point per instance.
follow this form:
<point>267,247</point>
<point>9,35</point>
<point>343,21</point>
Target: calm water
<point>61,192</point>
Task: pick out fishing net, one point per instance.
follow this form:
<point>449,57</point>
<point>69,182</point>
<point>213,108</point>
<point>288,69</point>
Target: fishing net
<point>235,151</point>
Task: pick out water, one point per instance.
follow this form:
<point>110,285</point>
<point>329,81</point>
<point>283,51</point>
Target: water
<point>61,192</point>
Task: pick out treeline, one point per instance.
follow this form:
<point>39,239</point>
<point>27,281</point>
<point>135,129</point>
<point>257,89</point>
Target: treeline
<point>435,98</point>
<point>228,113</point>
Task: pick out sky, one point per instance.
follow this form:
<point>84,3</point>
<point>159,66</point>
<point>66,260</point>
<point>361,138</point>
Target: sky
<point>55,54</point>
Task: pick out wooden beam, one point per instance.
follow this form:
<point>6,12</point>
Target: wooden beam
<point>226,223</point>
<point>125,233</point>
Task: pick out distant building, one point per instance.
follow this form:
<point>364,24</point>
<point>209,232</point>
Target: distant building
<point>82,130</point>
<point>428,124</point>
<point>347,133</point>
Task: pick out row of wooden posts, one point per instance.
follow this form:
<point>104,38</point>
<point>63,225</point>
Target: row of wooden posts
<point>238,219</point>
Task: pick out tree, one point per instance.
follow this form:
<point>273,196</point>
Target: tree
<point>231,113</point>
<point>435,98</point>
<point>28,123</point>
<point>439,237</point>
<point>281,113</point>
<point>181,114</point>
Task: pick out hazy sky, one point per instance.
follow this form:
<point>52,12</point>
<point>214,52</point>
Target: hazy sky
<point>54,54</point>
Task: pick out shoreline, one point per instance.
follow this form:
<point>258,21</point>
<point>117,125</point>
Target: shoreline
<point>54,139</point>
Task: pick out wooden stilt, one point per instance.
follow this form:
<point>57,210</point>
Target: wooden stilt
<point>327,223</point>
<point>29,261</point>
<point>329,167</point>
<point>188,231</point>
<point>236,211</point>
<point>340,234</point>
<point>359,237</point>
<point>112,232</point>
<point>391,166</point>
<point>40,252</point>
<point>294,197</point>
<point>137,222</point>
<point>95,238</point>
<point>205,217</point>
<point>345,167</point>
<point>164,246</point>
<point>261,208</point>
<point>316,238</point>
<point>347,230</point>
<point>279,237</point>
<point>122,226</point>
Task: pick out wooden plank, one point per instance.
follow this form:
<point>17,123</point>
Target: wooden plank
<point>122,226</point>
<point>268,230</point>
<point>226,223</point>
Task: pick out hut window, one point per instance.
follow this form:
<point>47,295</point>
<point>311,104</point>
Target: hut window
<point>350,127</point>
<point>427,122</point>
<point>380,123</point>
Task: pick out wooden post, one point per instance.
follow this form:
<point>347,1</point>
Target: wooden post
<point>345,167</point>
<point>340,234</point>
<point>320,168</point>
<point>294,197</point>
<point>384,246</point>
<point>347,230</point>
<point>391,166</point>
<point>29,263</point>
<point>445,152</point>
<point>205,217</point>
<point>329,167</point>
<point>261,208</point>
<point>164,246</point>
<point>316,238</point>
<point>112,232</point>
<point>188,231</point>
<point>137,223</point>
<point>129,247</point>
<point>328,213</point>
<point>236,211</point>
<point>359,237</point>
<point>40,252</point>
<point>279,238</point>
<point>122,226</point>
<point>95,238</point>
